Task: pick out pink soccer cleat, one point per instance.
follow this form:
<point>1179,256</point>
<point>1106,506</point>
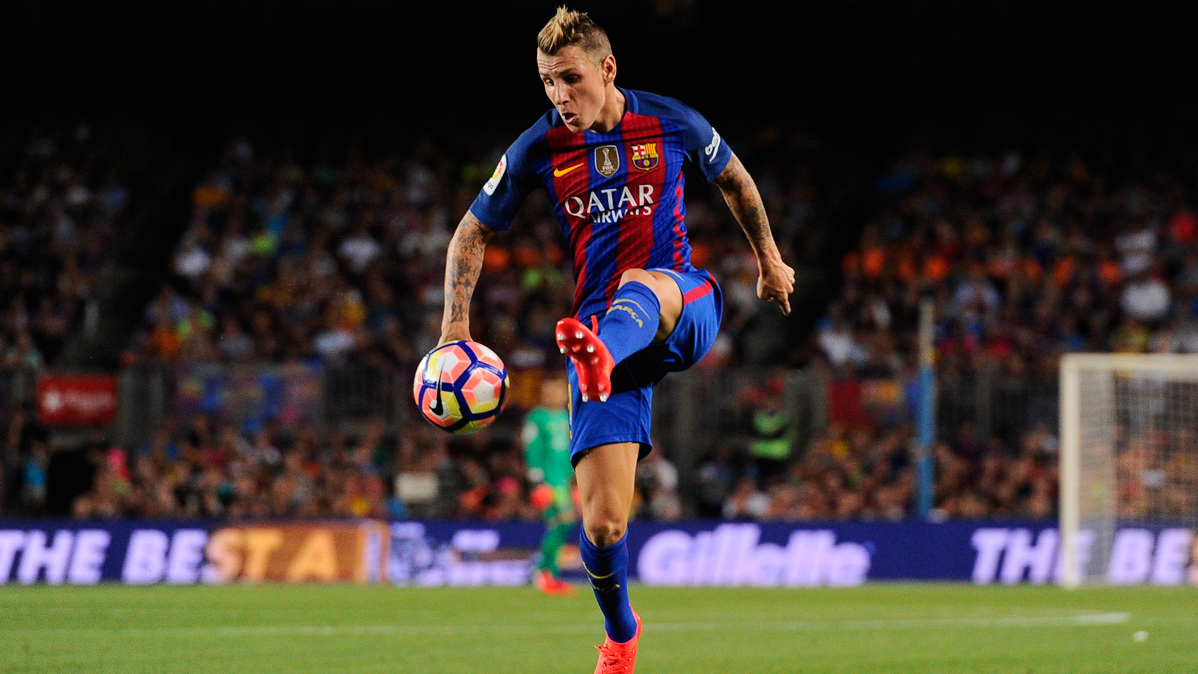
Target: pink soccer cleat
<point>591,359</point>
<point>616,658</point>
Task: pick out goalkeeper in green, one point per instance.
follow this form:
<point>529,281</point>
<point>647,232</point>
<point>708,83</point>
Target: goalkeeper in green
<point>547,452</point>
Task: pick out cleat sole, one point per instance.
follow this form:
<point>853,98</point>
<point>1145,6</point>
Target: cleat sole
<point>594,368</point>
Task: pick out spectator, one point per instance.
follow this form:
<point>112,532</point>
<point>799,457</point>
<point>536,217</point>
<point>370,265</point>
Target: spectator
<point>770,431</point>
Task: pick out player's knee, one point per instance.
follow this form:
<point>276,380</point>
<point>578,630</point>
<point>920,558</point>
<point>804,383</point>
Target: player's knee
<point>605,531</point>
<point>638,275</point>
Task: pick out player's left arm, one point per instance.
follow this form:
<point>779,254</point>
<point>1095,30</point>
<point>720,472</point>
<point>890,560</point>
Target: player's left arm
<point>777,280</point>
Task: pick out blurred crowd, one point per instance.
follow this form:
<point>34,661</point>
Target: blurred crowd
<point>324,260</point>
<point>866,471</point>
<point>194,470</point>
<point>61,204</point>
<point>1158,473</point>
<point>1025,257</point>
<point>336,259</point>
<point>286,260</point>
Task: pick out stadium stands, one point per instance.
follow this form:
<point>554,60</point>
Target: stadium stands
<point>338,260</point>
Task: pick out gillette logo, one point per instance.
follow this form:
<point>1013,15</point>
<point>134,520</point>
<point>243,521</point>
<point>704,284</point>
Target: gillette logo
<point>732,554</point>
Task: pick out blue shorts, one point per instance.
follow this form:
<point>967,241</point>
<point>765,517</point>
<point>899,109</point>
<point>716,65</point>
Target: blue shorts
<point>626,415</point>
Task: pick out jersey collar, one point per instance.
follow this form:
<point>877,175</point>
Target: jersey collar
<point>630,102</point>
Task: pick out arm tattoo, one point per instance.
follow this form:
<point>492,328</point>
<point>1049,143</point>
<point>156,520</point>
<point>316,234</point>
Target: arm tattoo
<point>745,202</point>
<point>463,264</point>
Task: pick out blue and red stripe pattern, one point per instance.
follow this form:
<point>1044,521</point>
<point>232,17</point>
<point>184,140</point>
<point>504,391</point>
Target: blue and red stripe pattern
<point>618,195</point>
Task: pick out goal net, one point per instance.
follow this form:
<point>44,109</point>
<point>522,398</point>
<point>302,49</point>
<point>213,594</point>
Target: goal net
<point>1129,467</point>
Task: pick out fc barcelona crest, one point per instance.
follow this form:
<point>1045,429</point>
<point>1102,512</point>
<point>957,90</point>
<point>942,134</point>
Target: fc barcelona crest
<point>607,160</point>
<point>644,156</point>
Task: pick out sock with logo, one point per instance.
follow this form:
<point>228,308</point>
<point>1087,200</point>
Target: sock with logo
<point>631,322</point>
<point>607,569</point>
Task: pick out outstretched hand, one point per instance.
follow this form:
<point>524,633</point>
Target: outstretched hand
<point>776,283</point>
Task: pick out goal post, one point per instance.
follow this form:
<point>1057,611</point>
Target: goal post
<point>1129,449</point>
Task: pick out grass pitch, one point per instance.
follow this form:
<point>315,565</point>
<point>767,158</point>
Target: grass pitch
<point>889,629</point>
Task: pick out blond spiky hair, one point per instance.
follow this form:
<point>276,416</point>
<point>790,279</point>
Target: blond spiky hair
<point>569,27</point>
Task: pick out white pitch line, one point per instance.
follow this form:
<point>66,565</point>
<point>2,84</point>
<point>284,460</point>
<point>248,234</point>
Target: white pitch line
<point>1077,620</point>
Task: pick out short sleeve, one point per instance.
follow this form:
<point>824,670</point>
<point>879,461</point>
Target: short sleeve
<point>705,148</point>
<point>502,195</point>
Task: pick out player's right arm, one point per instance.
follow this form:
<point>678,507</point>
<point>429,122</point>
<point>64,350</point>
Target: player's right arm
<point>463,264</point>
<point>491,212</point>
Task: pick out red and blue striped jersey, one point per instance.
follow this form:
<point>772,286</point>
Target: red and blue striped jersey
<point>618,195</point>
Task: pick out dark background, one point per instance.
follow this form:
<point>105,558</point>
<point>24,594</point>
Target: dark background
<point>852,71</point>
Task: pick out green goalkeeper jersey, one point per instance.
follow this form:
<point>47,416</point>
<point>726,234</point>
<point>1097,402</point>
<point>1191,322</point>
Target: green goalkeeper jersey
<point>547,446</point>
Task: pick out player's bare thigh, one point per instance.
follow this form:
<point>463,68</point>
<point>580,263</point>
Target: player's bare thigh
<point>669,296</point>
<point>606,482</point>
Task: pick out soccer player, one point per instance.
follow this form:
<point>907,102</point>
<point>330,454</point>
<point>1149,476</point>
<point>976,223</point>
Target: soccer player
<point>613,162</point>
<point>547,453</point>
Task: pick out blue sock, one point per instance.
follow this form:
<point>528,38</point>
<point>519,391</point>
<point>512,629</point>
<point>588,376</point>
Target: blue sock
<point>607,569</point>
<point>631,323</point>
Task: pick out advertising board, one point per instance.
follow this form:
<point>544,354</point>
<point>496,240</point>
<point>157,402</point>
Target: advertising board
<point>427,554</point>
<point>140,553</point>
<point>76,400</point>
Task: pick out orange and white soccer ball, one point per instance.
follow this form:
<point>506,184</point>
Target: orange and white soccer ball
<point>460,386</point>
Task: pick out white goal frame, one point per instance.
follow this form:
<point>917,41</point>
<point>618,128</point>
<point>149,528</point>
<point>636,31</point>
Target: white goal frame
<point>1178,366</point>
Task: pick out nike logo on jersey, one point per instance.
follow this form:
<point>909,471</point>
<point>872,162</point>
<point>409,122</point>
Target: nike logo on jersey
<point>557,173</point>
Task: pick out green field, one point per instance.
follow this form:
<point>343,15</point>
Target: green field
<point>314,629</point>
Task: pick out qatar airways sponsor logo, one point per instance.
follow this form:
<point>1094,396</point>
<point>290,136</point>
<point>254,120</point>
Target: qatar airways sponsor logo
<point>732,555</point>
<point>612,204</point>
<point>1137,556</point>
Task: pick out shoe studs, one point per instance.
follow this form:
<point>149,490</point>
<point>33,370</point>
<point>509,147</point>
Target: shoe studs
<point>560,336</point>
<point>562,349</point>
<point>586,398</point>
<point>590,348</point>
<point>577,334</point>
<point>602,397</point>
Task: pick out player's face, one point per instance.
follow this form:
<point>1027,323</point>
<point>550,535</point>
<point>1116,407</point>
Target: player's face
<point>576,84</point>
